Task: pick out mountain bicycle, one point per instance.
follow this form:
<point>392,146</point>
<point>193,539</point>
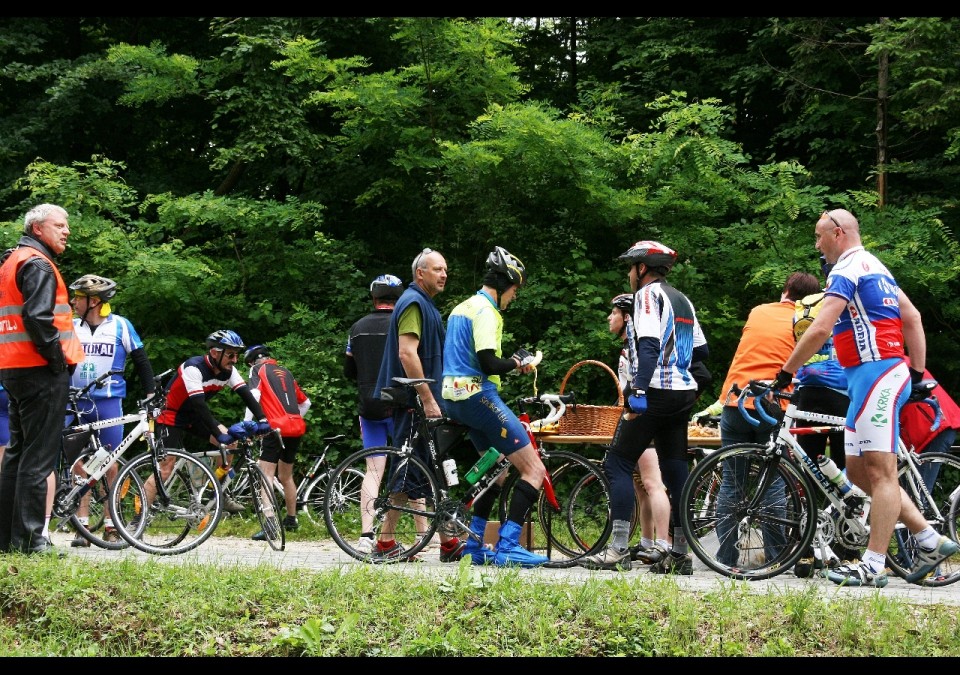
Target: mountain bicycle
<point>311,488</point>
<point>165,501</point>
<point>446,504</point>
<point>765,516</point>
<point>84,460</point>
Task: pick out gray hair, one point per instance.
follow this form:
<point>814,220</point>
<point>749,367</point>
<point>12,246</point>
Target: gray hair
<point>39,214</point>
<point>420,262</point>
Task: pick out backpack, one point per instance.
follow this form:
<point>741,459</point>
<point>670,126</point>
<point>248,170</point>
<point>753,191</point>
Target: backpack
<point>805,310</point>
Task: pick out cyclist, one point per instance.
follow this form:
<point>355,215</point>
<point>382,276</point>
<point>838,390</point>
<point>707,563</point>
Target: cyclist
<point>108,340</point>
<point>284,404</point>
<point>472,367</point>
<point>361,363</point>
<point>196,380</point>
<point>874,324</point>
<point>651,495</point>
<point>667,340</point>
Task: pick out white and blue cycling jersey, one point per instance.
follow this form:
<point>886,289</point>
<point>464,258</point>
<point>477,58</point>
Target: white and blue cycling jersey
<point>105,349</point>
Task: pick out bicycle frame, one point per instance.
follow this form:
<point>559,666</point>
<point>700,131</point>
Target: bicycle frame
<point>785,437</point>
<point>65,504</point>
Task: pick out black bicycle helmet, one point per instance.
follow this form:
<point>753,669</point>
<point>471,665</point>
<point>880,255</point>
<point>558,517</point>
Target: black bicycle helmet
<point>254,353</point>
<point>500,260</point>
<point>650,253</point>
<point>225,338</point>
<point>93,285</point>
<point>623,302</point>
<point>386,286</point>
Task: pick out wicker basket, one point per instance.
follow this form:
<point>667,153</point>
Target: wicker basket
<point>591,420</point>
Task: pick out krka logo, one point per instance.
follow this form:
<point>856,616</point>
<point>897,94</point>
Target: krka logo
<point>879,420</point>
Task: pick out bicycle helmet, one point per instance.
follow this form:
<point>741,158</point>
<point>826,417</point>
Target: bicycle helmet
<point>225,338</point>
<point>651,253</point>
<point>500,260</point>
<point>386,286</point>
<point>623,302</point>
<point>93,285</point>
<point>254,353</point>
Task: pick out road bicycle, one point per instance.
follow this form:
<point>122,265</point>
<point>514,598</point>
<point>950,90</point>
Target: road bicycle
<point>85,461</point>
<point>750,511</point>
<point>447,504</point>
<point>312,486</point>
<point>261,491</point>
<point>165,501</point>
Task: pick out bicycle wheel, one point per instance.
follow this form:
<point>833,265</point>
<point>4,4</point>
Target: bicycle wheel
<point>942,470</point>
<point>316,492</point>
<point>414,511</point>
<point>176,524</point>
<point>98,510</point>
<point>579,523</point>
<point>264,500</point>
<point>746,513</point>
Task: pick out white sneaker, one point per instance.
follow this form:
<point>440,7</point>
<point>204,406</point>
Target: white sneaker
<point>365,544</point>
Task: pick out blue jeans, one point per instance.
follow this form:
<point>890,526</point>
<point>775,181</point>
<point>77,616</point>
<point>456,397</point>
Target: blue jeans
<point>735,429</point>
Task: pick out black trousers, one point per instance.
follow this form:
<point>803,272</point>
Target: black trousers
<point>38,403</point>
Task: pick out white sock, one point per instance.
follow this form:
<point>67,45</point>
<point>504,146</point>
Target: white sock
<point>875,561</point>
<point>46,527</point>
<point>645,542</point>
<point>928,538</point>
<point>107,524</point>
<point>664,544</point>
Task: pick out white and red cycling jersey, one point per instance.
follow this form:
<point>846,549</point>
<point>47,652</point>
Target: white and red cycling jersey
<point>870,328</point>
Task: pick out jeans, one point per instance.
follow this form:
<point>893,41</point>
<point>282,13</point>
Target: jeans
<point>735,429</point>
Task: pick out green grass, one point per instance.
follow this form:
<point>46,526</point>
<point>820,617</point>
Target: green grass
<point>75,607</point>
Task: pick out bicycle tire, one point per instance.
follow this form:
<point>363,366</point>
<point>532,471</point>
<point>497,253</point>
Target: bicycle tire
<point>342,503</point>
<point>577,526</point>
<point>316,492</point>
<point>98,509</point>
<point>190,518</point>
<point>903,545</point>
<point>263,498</point>
<point>791,519</point>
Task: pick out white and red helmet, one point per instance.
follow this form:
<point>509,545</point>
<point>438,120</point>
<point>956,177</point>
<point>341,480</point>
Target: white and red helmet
<point>650,253</point>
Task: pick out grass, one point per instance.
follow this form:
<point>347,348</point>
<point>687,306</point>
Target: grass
<point>72,607</point>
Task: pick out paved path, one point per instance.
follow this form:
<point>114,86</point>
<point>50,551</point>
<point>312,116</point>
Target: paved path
<point>323,555</point>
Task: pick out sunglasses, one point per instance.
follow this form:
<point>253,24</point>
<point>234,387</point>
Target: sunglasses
<point>834,220</point>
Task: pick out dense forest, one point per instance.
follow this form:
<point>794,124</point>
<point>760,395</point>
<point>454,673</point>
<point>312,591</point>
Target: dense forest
<point>255,173</point>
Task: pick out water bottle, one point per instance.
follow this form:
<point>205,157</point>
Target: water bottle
<point>838,478</point>
<point>489,458</point>
<point>94,463</point>
<point>220,472</point>
<point>450,472</point>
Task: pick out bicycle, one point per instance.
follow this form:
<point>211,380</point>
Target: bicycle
<point>262,491</point>
<point>770,517</point>
<point>165,501</point>
<point>311,489</point>
<point>445,504</point>
<point>85,461</point>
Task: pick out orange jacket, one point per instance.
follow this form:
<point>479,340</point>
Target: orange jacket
<point>17,350</point>
<point>765,344</point>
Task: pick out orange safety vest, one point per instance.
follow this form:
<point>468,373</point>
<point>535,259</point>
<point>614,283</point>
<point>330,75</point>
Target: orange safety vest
<point>17,350</point>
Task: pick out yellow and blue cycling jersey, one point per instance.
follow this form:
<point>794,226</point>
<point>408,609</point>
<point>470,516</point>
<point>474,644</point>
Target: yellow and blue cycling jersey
<point>474,325</point>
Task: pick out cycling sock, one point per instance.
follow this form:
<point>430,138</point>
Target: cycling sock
<point>386,545</point>
<point>664,544</point>
<point>483,505</point>
<point>875,561</point>
<point>449,546</point>
<point>46,527</point>
<point>646,542</point>
<point>620,535</point>
<point>928,538</point>
<point>679,541</point>
<point>524,495</point>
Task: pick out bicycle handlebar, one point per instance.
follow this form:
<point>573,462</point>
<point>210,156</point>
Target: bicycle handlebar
<point>77,393</point>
